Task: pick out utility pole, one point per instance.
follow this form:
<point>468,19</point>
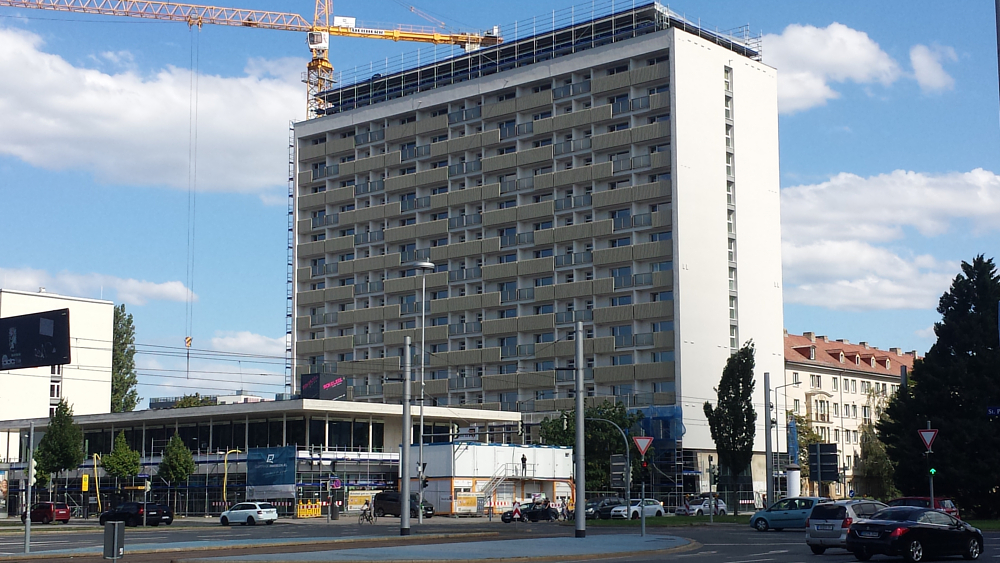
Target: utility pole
<point>580,506</point>
<point>31,481</point>
<point>767,438</point>
<point>404,456</point>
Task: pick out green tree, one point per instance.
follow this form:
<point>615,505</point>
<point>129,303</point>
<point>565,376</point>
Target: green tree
<point>177,463</point>
<point>124,397</point>
<point>61,448</point>
<point>733,421</point>
<point>601,440</point>
<point>873,471</point>
<point>196,400</point>
<point>123,461</point>
<point>952,387</point>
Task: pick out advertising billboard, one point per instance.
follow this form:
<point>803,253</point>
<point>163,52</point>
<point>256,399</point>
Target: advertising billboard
<point>38,339</point>
<point>271,473</point>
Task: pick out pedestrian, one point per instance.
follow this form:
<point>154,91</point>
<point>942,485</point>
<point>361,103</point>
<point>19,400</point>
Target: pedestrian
<point>489,509</point>
<point>524,465</point>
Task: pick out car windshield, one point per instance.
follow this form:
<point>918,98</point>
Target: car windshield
<point>829,512</point>
<point>266,506</point>
<point>898,514</point>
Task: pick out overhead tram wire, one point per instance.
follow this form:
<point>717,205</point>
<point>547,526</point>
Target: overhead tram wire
<point>192,184</point>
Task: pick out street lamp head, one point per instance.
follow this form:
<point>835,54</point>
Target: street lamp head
<point>425,265</point>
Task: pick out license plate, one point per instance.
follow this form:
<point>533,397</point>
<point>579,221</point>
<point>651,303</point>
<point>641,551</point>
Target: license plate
<point>824,526</point>
<point>868,534</point>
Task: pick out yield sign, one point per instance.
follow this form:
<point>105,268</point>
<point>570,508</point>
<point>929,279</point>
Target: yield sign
<point>928,436</point>
<point>642,442</point>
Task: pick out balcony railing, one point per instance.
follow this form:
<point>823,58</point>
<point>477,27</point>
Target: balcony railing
<point>325,220</point>
<point>641,161</point>
<point>408,308</point>
<point>369,237</point>
<point>565,317</point>
<point>463,221</point>
<point>630,340</point>
<point>414,255</point>
<point>459,383</point>
<point>571,146</point>
<point>508,295</point>
<point>571,90</point>
<point>626,106</point>
<point>573,202</point>
<point>525,350</point>
<point>574,259</point>
<point>508,351</point>
<point>321,270</point>
<point>416,203</point>
<point>369,287</point>
<point>323,367</point>
<point>370,338</point>
<point>465,167</point>
<point>643,279</point>
<point>621,164</point>
<point>410,153</point>
<point>369,187</point>
<point>508,131</point>
<point>464,115</point>
<point>367,390</point>
<point>517,239</point>
<point>320,319</point>
<point>564,375</point>
<point>326,171</point>
<point>465,328</point>
<point>622,282</point>
<point>465,274</point>
<point>525,128</point>
<point>370,137</point>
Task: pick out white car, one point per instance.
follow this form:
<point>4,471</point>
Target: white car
<point>704,506</point>
<point>649,506</point>
<point>249,513</point>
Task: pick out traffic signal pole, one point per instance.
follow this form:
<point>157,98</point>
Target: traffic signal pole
<point>31,481</point>
<point>580,502</point>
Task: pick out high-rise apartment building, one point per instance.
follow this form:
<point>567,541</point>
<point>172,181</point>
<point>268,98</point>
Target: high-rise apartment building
<point>617,169</point>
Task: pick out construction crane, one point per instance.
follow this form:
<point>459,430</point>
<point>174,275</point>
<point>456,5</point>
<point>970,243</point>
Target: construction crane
<point>319,72</point>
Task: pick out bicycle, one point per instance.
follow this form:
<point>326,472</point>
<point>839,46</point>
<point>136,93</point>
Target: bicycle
<point>367,517</point>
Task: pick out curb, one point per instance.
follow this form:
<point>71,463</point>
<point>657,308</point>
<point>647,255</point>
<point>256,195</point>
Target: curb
<point>691,545</point>
<point>296,542</point>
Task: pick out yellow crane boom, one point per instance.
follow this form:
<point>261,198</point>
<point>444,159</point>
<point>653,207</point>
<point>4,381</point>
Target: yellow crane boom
<point>319,73</point>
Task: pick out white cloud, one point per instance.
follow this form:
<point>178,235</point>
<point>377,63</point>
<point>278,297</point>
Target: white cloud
<point>133,130</point>
<point>926,332</point>
<point>93,285</point>
<point>927,69</point>
<point>843,241</point>
<point>246,342</point>
<point>808,58</point>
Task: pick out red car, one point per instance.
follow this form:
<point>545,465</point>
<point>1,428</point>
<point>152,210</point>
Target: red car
<point>945,504</point>
<point>46,512</point>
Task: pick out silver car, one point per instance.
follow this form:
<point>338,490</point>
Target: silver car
<point>829,523</point>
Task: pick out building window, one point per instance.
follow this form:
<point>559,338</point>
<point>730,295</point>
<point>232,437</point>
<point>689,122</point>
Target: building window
<point>659,357</point>
<point>621,360</point>
<point>55,388</point>
<point>795,377</point>
<point>834,380</point>
<point>795,406</point>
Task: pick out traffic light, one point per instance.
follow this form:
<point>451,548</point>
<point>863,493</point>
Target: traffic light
<point>714,474</point>
<point>933,471</point>
<point>33,472</point>
<point>424,483</point>
<point>645,464</point>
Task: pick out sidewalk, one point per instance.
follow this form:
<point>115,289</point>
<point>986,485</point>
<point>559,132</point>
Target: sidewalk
<point>528,549</point>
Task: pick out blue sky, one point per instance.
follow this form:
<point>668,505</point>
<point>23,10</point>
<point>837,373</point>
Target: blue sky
<point>889,143</point>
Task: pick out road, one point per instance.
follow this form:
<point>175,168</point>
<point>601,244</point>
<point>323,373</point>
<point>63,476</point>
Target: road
<point>725,543</point>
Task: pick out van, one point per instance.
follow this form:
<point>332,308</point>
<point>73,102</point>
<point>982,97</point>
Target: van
<point>388,502</point>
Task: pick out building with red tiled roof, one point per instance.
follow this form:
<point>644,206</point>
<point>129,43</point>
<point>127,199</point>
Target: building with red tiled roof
<point>836,386</point>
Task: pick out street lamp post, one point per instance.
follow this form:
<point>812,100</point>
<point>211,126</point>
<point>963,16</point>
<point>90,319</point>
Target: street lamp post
<point>407,441</point>
<point>778,429</point>
<point>424,267</point>
<point>225,474</point>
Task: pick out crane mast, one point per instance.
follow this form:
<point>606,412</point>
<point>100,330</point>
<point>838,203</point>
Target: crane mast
<point>319,71</point>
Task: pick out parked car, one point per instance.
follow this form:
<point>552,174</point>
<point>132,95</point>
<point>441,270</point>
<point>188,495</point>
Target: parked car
<point>166,514</point>
<point>944,504</point>
<point>132,513</point>
<point>249,513</point>
<point>604,512</point>
<point>388,502</point>
<point>915,533</point>
<point>701,507</point>
<point>830,522</point>
<point>46,512</point>
<point>534,512</point>
<point>786,513</point>
<point>648,506</point>
<point>594,506</point>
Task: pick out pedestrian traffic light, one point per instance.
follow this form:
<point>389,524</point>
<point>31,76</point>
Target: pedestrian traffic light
<point>33,473</point>
<point>933,471</point>
<point>645,464</point>
<point>424,483</point>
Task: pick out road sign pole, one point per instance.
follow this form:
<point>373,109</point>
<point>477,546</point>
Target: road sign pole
<point>27,498</point>
<point>580,503</point>
<point>642,509</point>
<point>930,475</point>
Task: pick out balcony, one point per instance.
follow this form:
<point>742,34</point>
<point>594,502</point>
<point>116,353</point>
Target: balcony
<point>625,106</point>
<point>369,237</point>
<point>508,295</point>
<point>464,115</point>
<point>567,147</point>
<point>369,187</point>
<point>633,340</point>
<point>324,367</point>
<point>460,383</point>
<point>567,317</point>
<point>508,186</point>
<point>320,319</point>
<point>409,308</point>
<point>464,274</point>
<point>366,339</point>
<point>321,270</point>
<point>367,390</point>
<point>565,375</point>
<point>463,221</point>
<point>325,220</point>
<point>525,350</point>
<point>622,282</point>
<point>370,137</point>
<point>574,259</point>
<point>641,161</point>
<point>415,255</point>
<point>517,239</point>
<point>416,203</point>
<point>570,90</point>
<point>508,131</point>
<point>465,168</point>
<point>525,128</point>
<point>573,202</point>
<point>621,164</point>
<point>508,351</point>
<point>369,287</point>
<point>409,153</point>
<point>465,328</point>
<point>642,279</point>
<point>326,172</point>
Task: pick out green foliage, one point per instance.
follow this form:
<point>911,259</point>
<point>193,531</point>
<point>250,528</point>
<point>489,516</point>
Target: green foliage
<point>177,463</point>
<point>807,436</point>
<point>196,400</point>
<point>124,397</point>
<point>733,420</point>
<point>601,440</point>
<point>952,387</point>
<point>123,461</point>
<point>873,474</point>
<point>61,448</point>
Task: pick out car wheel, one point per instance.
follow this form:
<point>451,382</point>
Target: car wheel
<point>635,515</point>
<point>251,521</point>
<point>103,520</point>
<point>817,549</point>
<point>379,512</point>
<point>699,513</point>
<point>132,521</point>
<point>658,514</point>
<point>973,550</point>
<point>225,521</point>
<point>269,522</point>
<point>46,520</point>
<point>169,522</point>
<point>914,551</point>
<point>862,555</point>
<point>154,524</point>
<point>722,513</point>
<point>760,525</point>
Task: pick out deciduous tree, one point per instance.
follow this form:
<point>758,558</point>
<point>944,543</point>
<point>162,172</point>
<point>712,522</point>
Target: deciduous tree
<point>196,400</point>
<point>61,448</point>
<point>177,463</point>
<point>123,461</point>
